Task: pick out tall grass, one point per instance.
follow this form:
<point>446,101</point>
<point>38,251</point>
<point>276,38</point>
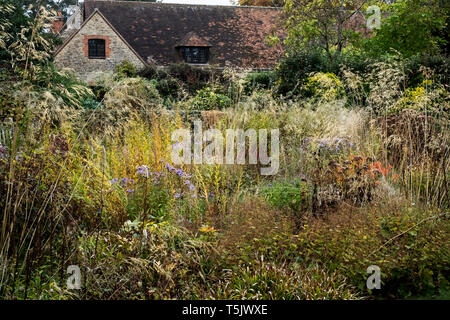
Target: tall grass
<point>87,179</point>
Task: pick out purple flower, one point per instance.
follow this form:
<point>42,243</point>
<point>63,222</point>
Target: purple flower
<point>179,172</point>
<point>3,151</point>
<point>126,180</point>
<point>189,184</point>
<point>169,167</point>
<point>114,181</point>
<point>178,195</point>
<point>143,171</point>
<point>130,190</point>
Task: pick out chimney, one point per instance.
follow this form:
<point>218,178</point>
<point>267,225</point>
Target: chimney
<point>57,23</point>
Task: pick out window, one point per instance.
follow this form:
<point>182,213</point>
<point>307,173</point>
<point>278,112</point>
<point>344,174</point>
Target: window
<point>195,54</point>
<point>97,48</point>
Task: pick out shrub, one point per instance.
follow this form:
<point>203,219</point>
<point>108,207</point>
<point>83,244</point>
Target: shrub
<point>209,99</point>
<point>168,86</point>
<point>294,69</point>
<point>144,261</point>
<point>324,86</point>
<point>423,98</point>
<point>125,70</point>
<point>421,67</point>
<point>125,100</point>
<point>259,80</point>
<point>195,78</point>
<point>295,196</point>
<point>268,281</point>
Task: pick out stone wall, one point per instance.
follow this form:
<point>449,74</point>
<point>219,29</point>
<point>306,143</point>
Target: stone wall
<point>74,54</point>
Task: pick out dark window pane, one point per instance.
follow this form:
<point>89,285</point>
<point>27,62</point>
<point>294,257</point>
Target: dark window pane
<point>96,48</point>
<point>195,54</point>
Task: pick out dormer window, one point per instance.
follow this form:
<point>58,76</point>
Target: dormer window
<point>196,55</point>
<point>97,49</point>
<point>193,49</point>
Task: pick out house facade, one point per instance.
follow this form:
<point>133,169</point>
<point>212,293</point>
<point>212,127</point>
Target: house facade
<point>109,32</point>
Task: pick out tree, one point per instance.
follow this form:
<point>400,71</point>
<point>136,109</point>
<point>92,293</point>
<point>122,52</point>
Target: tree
<point>319,23</point>
<point>21,25</point>
<point>58,5</point>
<point>12,20</point>
<point>262,3</point>
<point>411,27</point>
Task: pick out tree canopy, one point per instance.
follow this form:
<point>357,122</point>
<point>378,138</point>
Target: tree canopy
<point>407,26</point>
<point>262,3</point>
<point>319,23</point>
<point>410,27</point>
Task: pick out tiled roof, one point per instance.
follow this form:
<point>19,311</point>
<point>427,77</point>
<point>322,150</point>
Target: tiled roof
<point>236,34</point>
<point>193,40</point>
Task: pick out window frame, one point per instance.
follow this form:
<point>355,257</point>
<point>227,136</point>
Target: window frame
<point>96,49</point>
<point>186,54</point>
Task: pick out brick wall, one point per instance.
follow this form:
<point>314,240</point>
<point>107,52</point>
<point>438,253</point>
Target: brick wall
<point>74,54</point>
<point>107,44</point>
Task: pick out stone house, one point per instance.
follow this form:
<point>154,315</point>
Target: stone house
<point>104,33</point>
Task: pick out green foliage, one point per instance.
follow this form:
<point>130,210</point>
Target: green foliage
<point>296,67</point>
<point>87,179</point>
<point>194,77</point>
<point>12,20</point>
<point>324,86</point>
<point>268,281</point>
<point>422,67</point>
<point>177,80</point>
<point>259,80</point>
<point>319,24</point>
<point>209,99</point>
<point>423,98</point>
<point>295,196</point>
<point>125,70</point>
<point>410,27</point>
<point>151,261</point>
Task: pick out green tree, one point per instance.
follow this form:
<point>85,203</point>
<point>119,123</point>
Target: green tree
<point>411,27</point>
<point>25,40</point>
<point>262,3</point>
<point>12,20</point>
<point>319,23</point>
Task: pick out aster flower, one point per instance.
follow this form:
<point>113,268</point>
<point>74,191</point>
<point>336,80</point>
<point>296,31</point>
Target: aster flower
<point>143,171</point>
<point>179,172</point>
<point>178,195</point>
<point>3,151</point>
<point>169,167</point>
